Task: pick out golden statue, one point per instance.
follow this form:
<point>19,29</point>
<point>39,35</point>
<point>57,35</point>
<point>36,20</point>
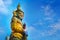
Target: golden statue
<point>17,26</point>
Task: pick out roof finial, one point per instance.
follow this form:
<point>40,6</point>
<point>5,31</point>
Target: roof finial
<point>18,7</point>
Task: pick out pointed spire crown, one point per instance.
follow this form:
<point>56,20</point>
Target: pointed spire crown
<point>18,7</point>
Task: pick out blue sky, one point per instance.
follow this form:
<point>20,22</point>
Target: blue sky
<point>42,18</point>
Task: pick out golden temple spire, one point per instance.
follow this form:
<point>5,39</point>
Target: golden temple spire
<point>18,7</point>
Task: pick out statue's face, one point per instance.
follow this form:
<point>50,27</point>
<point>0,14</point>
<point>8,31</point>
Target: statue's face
<point>21,15</point>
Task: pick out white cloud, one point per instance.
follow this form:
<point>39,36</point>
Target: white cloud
<point>56,25</point>
<point>31,28</point>
<point>38,23</point>
<point>54,28</point>
<point>44,33</point>
<point>2,30</point>
<point>8,2</point>
<point>49,14</point>
<point>48,11</point>
<point>52,1</point>
<point>3,7</point>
